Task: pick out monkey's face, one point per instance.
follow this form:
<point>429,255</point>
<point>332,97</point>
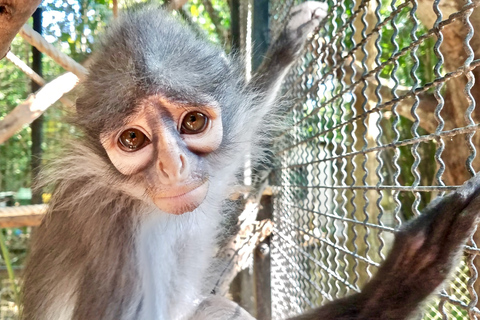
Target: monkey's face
<point>164,145</point>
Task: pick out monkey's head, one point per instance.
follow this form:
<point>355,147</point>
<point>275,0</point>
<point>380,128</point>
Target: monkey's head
<point>161,105</point>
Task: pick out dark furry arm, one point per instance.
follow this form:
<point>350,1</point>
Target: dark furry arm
<point>423,255</point>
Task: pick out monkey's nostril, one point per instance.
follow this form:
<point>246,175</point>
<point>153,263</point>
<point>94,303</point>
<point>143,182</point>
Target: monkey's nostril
<point>163,170</point>
<point>182,163</point>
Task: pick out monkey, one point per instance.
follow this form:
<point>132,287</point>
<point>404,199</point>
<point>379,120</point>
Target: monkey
<point>165,119</point>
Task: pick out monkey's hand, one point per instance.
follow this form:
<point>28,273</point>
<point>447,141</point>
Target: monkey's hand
<point>303,20</point>
<point>423,255</point>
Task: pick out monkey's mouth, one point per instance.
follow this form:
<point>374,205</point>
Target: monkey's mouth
<point>183,200</point>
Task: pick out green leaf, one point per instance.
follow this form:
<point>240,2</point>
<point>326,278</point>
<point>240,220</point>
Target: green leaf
<point>194,11</point>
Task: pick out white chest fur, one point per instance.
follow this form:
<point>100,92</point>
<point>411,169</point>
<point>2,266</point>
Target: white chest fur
<point>174,253</point>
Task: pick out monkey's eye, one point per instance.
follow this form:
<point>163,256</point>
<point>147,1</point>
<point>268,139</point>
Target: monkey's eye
<point>132,140</point>
<point>194,122</point>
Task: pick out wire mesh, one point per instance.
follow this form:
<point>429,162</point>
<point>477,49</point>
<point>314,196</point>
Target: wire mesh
<point>383,120</point>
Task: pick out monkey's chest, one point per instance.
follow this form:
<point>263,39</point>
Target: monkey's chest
<point>173,256</point>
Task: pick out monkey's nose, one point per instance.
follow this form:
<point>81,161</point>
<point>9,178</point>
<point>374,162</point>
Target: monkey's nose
<point>173,168</point>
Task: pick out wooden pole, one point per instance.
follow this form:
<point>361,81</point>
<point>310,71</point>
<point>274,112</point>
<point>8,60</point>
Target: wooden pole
<point>235,25</point>
<point>23,216</point>
<point>260,32</point>
<point>261,265</point>
<point>34,76</point>
<point>35,105</point>
<point>261,258</point>
<point>36,40</point>
<point>115,8</point>
<point>37,125</point>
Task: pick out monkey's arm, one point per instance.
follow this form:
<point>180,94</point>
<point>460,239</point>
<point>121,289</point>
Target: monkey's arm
<point>423,255</point>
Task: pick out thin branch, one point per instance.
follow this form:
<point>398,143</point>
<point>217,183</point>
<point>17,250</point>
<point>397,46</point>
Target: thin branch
<point>36,104</point>
<point>34,76</point>
<point>115,8</point>
<point>36,40</point>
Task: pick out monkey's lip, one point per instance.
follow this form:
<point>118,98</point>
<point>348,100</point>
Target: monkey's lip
<point>184,199</point>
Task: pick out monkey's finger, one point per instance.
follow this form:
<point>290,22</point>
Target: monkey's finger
<point>463,225</point>
<point>434,238</point>
<point>438,259</point>
<point>420,241</point>
<point>439,216</point>
<point>456,213</point>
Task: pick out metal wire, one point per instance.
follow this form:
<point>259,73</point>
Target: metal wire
<point>383,116</point>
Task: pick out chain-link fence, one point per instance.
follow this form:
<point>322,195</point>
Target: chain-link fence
<point>383,120</point>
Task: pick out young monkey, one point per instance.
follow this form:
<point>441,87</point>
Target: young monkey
<point>166,119</point>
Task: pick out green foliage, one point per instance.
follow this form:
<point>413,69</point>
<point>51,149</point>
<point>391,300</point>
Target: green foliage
<point>14,153</point>
<point>75,24</point>
<point>198,14</point>
<point>398,44</point>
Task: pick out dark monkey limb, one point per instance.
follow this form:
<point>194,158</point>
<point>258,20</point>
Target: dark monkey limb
<point>423,256</point>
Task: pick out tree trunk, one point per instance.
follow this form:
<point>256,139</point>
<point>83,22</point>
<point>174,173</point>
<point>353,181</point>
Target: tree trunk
<point>457,149</point>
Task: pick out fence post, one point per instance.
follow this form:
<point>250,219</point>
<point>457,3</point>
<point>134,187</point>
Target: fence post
<point>261,266</point>
<point>260,32</point>
<point>261,258</point>
<point>235,25</point>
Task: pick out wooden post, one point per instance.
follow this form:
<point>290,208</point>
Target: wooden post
<point>261,266</point>
<point>261,259</point>
<point>235,25</point>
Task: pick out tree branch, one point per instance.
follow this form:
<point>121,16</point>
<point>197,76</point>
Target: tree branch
<point>13,14</point>
<point>36,40</point>
<point>34,76</point>
<point>35,105</point>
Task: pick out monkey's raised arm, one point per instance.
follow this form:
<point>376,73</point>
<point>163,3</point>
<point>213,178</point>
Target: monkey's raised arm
<point>423,256</point>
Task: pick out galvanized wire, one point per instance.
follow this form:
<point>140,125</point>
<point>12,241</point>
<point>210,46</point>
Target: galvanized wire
<point>373,140</point>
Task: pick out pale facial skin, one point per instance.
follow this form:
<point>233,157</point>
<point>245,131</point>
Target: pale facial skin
<point>164,144</point>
